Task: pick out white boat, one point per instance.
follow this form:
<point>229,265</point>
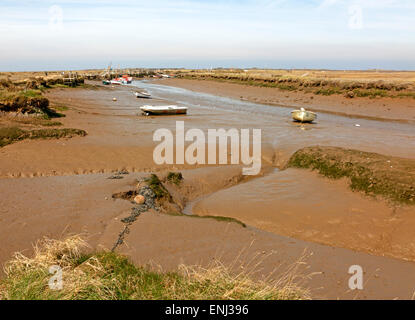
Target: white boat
<point>142,94</point>
<point>163,110</point>
<point>303,115</point>
<point>116,82</point>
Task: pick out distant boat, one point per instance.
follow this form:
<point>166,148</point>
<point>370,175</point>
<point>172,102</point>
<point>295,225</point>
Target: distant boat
<point>106,82</point>
<point>116,81</point>
<point>163,110</point>
<point>142,94</point>
<point>127,79</point>
<point>303,115</point>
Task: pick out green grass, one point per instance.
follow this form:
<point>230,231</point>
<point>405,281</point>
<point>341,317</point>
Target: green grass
<point>371,173</point>
<point>110,276</point>
<point>25,101</point>
<point>11,94</point>
<point>60,107</point>
<point>371,93</point>
<point>328,91</point>
<point>60,85</point>
<point>221,219</point>
<point>217,218</point>
<point>406,95</point>
<point>9,135</point>
<point>157,187</point>
<point>31,93</point>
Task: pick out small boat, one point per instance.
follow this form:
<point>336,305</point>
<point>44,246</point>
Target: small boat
<point>142,94</point>
<point>106,82</point>
<point>116,81</point>
<point>127,79</point>
<point>163,110</point>
<point>123,80</point>
<point>303,115</point>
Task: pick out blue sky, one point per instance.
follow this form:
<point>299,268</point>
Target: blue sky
<point>336,34</point>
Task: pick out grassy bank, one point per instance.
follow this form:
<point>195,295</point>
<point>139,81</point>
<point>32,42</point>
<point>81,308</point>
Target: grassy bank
<point>25,111</point>
<point>316,83</point>
<point>378,175</point>
<point>109,276</point>
<point>9,135</point>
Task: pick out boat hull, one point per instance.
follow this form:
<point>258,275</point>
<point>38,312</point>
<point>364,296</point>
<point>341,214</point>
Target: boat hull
<point>303,116</point>
<point>167,110</point>
<point>142,95</point>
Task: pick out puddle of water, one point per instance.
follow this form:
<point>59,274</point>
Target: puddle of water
<point>300,204</point>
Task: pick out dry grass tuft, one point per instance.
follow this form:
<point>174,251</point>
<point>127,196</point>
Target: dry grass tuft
<point>48,252</point>
<point>109,276</point>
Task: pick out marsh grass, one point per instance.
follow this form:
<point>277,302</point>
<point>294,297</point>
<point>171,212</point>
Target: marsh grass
<point>293,81</point>
<point>9,135</point>
<point>38,121</point>
<point>8,94</point>
<point>60,107</point>
<point>110,276</point>
<point>371,173</point>
<point>56,133</point>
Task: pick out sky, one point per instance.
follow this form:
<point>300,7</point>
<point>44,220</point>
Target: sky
<point>88,34</point>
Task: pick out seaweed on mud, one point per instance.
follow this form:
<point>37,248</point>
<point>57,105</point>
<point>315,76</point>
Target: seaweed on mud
<point>175,177</point>
<point>136,211</point>
<point>217,218</point>
<point>157,187</point>
<point>115,177</point>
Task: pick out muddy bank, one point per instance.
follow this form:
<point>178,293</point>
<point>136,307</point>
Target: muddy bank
<point>32,208</point>
<point>304,205</point>
<point>399,109</point>
<point>57,206</point>
<point>392,178</point>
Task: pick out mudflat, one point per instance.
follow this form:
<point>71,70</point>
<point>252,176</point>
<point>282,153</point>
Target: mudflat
<point>400,109</point>
<point>58,187</point>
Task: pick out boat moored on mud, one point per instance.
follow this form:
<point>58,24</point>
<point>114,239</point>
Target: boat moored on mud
<point>142,94</point>
<point>303,115</point>
<point>116,81</point>
<point>163,110</point>
<point>125,79</point>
